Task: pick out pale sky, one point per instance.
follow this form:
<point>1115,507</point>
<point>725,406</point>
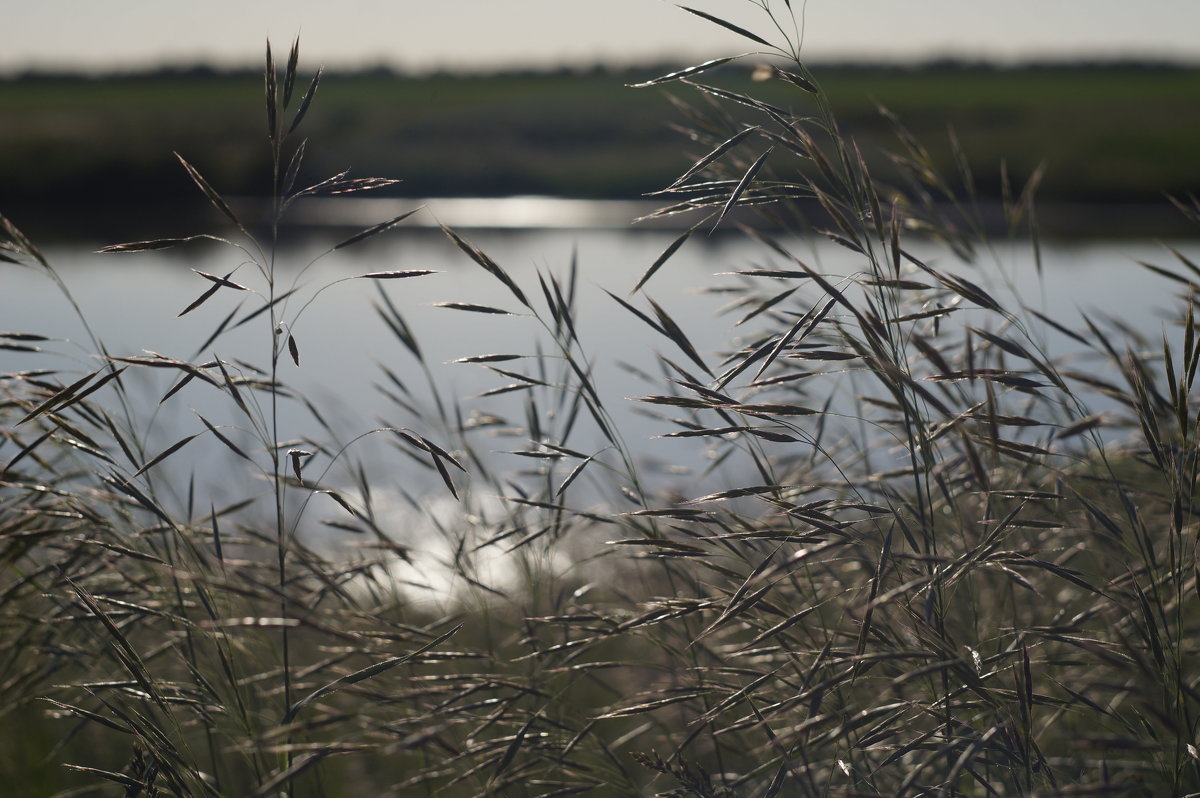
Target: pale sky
<point>426,34</point>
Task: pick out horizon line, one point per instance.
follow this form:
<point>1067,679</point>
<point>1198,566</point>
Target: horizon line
<point>200,68</point>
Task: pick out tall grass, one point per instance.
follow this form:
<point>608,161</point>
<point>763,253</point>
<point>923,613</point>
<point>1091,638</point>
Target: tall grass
<point>949,562</point>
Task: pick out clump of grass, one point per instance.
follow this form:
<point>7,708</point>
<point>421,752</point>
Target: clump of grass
<point>947,561</point>
<point>182,605</point>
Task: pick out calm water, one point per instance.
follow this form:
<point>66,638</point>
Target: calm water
<point>131,302</point>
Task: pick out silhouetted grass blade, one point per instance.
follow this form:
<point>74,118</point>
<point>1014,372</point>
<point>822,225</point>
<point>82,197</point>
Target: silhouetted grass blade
<point>200,300</point>
<point>649,321</point>
<point>218,283</point>
<point>496,358</point>
<point>765,305</point>
<point>488,264</point>
<point>729,26</point>
<point>375,229</point>
<point>223,282</point>
<point>341,500</point>
<point>183,382</point>
<point>289,78</point>
<point>395,322</point>
<point>675,333</point>
<point>293,169</point>
<point>742,185</point>
<point>213,197</point>
<point>254,314</point>
<point>397,275</point>
<point>231,385</point>
<point>123,648</point>
<point>666,254</point>
<point>571,477</point>
<point>510,753</point>
<point>22,241</point>
<point>298,457</point>
<point>165,453</point>
<point>157,243</point>
<point>225,440</point>
<point>472,308</point>
<point>71,394</point>
<point>305,102</point>
<point>271,80</point>
<point>366,673</point>
<point>798,80</point>
<point>712,156</point>
<point>683,73</point>
<point>777,114</point>
<point>25,450</point>
<point>132,785</point>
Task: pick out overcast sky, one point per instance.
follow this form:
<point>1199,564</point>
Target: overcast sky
<point>425,34</point>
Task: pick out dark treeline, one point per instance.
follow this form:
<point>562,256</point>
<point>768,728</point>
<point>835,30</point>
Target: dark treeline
<point>206,71</point>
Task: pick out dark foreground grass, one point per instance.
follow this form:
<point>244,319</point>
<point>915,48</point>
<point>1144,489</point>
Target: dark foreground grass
<point>952,563</point>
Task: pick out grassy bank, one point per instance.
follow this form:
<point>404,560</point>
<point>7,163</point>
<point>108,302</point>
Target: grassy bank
<point>1107,135</point>
<point>945,561</point>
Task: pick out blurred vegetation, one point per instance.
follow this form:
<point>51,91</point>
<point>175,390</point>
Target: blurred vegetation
<point>1106,132</point>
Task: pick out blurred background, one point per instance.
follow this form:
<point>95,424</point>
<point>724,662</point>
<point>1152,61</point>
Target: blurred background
<point>530,97</point>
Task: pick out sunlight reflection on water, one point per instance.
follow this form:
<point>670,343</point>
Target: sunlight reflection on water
<point>516,213</point>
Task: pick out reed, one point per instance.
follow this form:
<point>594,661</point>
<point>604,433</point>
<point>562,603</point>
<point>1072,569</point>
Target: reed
<point>947,561</point>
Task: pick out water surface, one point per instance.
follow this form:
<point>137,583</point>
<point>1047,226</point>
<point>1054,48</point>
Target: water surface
<point>132,303</point>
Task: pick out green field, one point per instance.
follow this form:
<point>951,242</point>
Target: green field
<point>1106,134</point>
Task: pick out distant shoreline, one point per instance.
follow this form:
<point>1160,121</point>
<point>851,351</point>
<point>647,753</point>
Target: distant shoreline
<point>56,224</point>
<point>95,154</point>
<point>933,64</point>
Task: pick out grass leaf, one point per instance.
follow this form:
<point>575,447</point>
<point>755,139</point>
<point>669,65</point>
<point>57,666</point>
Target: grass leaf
<point>397,275</point>
<point>305,102</point>
<point>684,73</point>
<point>170,450</point>
<point>742,185</point>
<point>712,156</point>
<point>271,79</point>
<point>153,244</point>
<point>667,253</point>
<point>365,673</point>
<point>375,229</point>
<point>223,282</point>
<point>293,169</point>
<point>213,197</point>
<point>729,26</point>
<point>200,300</point>
<point>289,75</point>
<point>493,268</point>
<point>471,308</point>
<point>225,440</point>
